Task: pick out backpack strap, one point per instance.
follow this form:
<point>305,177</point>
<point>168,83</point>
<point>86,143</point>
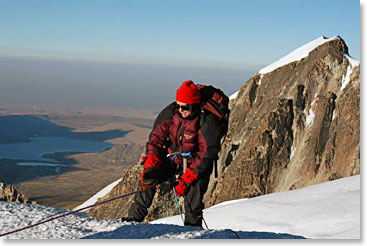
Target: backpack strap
<point>203,116</point>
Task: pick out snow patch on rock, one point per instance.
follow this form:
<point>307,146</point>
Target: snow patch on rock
<point>233,96</point>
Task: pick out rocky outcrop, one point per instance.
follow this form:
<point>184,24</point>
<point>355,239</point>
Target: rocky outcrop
<point>291,127</point>
<point>10,194</point>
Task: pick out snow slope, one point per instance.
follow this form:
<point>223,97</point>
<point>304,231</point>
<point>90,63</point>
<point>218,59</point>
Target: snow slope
<point>98,195</point>
<point>301,53</point>
<point>326,211</point>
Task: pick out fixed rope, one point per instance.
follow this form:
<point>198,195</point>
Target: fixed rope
<point>174,155</point>
<point>178,205</point>
<point>69,213</point>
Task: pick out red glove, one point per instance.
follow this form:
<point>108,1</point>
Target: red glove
<point>149,177</point>
<point>151,160</point>
<point>185,180</point>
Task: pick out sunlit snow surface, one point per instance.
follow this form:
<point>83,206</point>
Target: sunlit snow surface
<point>326,211</point>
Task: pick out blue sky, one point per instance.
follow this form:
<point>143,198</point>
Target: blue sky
<point>240,35</point>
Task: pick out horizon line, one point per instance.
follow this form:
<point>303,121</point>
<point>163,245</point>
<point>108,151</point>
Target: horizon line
<point>121,59</point>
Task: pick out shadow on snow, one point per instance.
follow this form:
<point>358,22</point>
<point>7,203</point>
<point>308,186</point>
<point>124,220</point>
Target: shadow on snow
<point>164,231</point>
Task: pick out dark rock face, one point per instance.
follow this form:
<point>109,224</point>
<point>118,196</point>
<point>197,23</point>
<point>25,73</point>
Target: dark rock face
<point>293,127</point>
<point>10,194</point>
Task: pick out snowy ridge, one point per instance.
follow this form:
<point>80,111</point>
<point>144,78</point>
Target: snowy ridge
<point>326,211</point>
<point>98,195</point>
<point>297,54</point>
<point>352,61</point>
<point>301,53</point>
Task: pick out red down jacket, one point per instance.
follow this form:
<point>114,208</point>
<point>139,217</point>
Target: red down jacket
<point>173,133</point>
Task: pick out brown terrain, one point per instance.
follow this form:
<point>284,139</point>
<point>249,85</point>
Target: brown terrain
<point>91,171</point>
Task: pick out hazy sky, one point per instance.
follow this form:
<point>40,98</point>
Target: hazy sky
<point>137,52</point>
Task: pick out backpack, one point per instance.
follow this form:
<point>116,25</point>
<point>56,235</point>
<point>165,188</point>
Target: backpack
<point>215,102</point>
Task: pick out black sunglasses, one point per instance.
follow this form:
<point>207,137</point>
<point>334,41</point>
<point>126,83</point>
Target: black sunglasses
<point>184,107</point>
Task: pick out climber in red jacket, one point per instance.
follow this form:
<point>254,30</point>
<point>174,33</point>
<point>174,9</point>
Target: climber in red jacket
<point>177,129</point>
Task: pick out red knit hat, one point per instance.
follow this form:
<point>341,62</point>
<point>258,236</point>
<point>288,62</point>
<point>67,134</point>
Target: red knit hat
<point>188,93</point>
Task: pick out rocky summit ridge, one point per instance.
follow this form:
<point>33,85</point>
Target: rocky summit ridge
<point>293,124</point>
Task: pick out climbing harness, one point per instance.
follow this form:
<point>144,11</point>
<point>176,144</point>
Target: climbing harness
<point>69,213</point>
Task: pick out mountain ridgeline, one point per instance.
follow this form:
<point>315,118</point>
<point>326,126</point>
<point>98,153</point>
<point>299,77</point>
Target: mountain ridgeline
<point>289,128</point>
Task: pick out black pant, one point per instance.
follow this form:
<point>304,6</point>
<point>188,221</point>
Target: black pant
<point>193,200</point>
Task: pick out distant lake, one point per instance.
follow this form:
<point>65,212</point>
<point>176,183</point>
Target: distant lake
<point>39,146</point>
<point>33,159</point>
<point>32,147</point>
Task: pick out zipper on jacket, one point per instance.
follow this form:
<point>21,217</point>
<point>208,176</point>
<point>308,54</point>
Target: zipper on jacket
<point>182,134</point>
<point>177,133</point>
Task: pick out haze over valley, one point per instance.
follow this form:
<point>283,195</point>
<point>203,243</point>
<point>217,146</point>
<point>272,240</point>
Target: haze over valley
<point>40,81</point>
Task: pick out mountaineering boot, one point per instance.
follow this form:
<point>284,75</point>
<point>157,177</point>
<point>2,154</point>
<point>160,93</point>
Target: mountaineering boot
<point>193,220</point>
<point>127,219</point>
